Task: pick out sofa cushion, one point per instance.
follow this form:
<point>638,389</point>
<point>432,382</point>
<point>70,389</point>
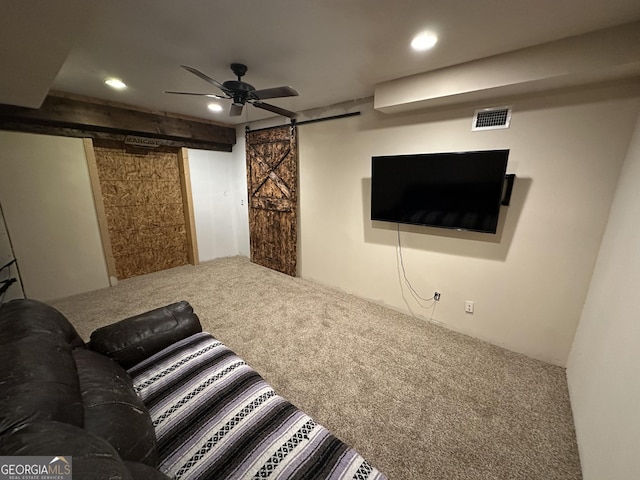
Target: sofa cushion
<point>136,338</point>
<point>38,375</point>
<point>112,410</point>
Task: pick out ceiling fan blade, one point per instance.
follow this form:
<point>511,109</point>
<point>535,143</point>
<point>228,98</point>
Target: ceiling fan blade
<point>236,110</point>
<point>206,78</point>
<point>210,95</point>
<point>276,92</point>
<point>274,109</point>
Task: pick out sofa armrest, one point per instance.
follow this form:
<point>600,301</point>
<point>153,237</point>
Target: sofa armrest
<point>136,338</point>
<point>93,458</point>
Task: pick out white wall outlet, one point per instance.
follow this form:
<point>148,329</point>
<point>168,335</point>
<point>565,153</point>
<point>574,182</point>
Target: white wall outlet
<point>468,306</point>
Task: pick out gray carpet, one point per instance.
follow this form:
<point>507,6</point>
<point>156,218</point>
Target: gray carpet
<point>417,400</point>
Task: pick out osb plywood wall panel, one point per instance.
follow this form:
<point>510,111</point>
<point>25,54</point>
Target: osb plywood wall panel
<point>144,208</point>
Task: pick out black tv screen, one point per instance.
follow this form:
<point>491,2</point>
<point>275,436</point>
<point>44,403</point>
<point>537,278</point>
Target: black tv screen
<point>457,190</point>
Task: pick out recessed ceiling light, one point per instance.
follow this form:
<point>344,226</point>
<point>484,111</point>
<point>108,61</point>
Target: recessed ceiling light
<point>424,41</point>
<point>115,83</point>
<point>215,107</point>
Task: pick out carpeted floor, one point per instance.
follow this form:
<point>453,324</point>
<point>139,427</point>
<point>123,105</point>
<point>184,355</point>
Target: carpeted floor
<point>417,400</point>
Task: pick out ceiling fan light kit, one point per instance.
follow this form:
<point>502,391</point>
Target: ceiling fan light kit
<point>241,92</point>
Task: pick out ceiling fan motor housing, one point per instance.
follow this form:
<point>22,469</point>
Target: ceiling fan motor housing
<point>240,90</point>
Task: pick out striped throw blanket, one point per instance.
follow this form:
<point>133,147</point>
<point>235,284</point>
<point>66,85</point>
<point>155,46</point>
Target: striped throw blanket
<point>216,418</point>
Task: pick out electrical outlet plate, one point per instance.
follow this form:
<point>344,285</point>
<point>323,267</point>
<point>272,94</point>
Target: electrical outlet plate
<point>436,296</point>
<point>468,306</point>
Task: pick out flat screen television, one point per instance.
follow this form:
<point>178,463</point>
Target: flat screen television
<point>456,190</point>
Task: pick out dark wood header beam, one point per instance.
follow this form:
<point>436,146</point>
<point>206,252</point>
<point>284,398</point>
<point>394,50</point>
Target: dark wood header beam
<point>79,118</point>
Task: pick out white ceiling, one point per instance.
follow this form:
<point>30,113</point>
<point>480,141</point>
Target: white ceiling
<point>329,50</point>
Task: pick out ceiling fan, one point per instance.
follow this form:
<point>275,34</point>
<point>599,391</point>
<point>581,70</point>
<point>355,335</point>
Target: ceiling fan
<point>241,92</point>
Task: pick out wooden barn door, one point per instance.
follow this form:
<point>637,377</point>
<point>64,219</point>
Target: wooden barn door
<point>272,181</point>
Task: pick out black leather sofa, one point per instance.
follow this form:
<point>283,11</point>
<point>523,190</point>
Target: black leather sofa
<point>61,396</point>
<point>149,395</point>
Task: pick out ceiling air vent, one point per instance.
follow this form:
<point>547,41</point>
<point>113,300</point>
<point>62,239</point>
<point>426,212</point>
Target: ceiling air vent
<point>491,118</point>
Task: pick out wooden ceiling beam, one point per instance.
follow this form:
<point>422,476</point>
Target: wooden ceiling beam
<point>79,118</point>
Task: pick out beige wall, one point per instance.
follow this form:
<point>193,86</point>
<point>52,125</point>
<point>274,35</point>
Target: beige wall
<point>530,281</point>
<point>48,205</point>
<point>604,365</point>
<point>219,191</point>
<point>241,194</point>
